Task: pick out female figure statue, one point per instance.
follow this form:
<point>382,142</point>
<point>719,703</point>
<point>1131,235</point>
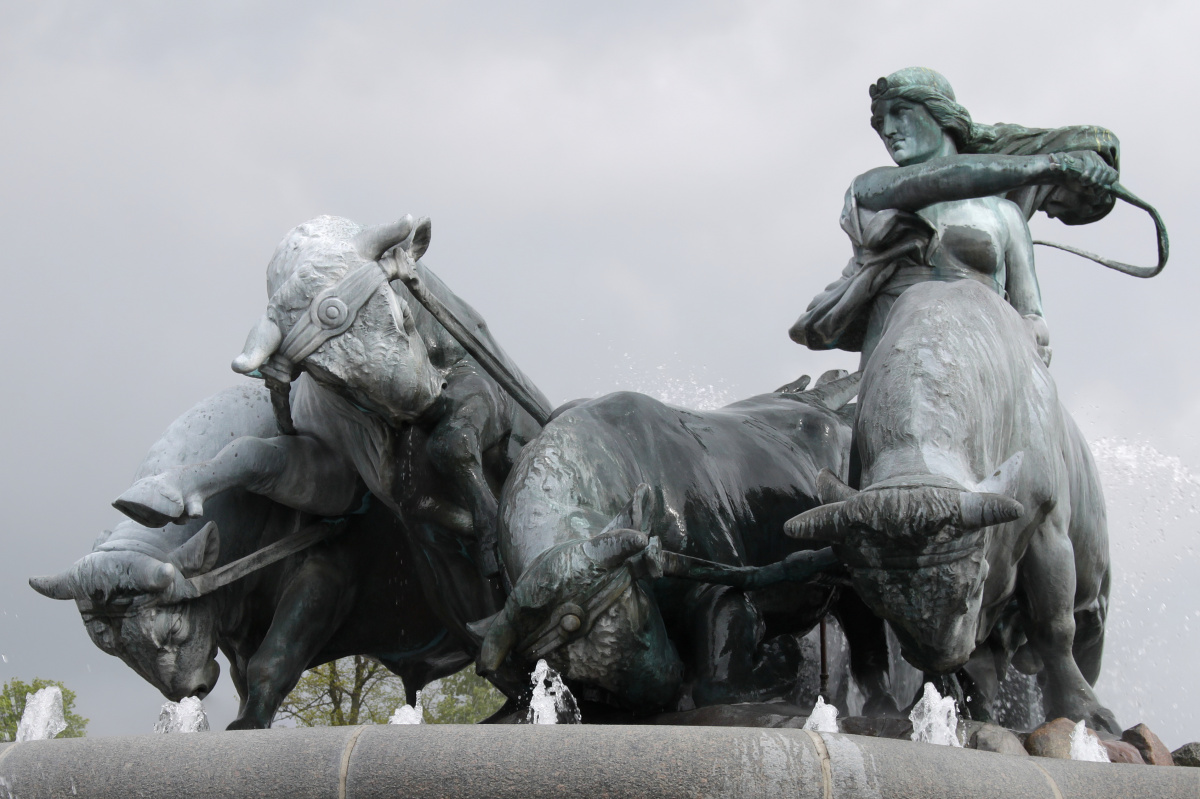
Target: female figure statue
<point>957,409</point>
<point>954,207</point>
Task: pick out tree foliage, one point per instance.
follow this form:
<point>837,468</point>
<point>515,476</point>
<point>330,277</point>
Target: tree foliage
<point>361,690</point>
<point>12,705</point>
<point>352,690</point>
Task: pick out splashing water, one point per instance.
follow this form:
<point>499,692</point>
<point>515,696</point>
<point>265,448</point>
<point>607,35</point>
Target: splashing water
<point>552,702</point>
<point>935,719</point>
<point>187,715</point>
<point>43,715</point>
<point>1086,746</point>
<point>823,717</point>
<point>407,714</point>
<point>1147,674</point>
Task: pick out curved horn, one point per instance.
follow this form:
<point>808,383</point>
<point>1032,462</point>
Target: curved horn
<point>500,639</point>
<point>835,393</point>
<point>609,550</point>
<point>372,242</point>
<point>826,523</point>
<point>57,586</point>
<point>261,344</point>
<point>831,489</point>
<point>100,574</point>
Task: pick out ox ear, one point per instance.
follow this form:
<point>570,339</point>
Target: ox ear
<point>831,489</point>
<point>834,392</point>
<point>1004,480</point>
<point>199,553</point>
<point>421,236</point>
<point>610,550</point>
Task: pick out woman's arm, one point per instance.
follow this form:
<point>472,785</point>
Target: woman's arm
<point>964,177</point>
<point>1021,283</point>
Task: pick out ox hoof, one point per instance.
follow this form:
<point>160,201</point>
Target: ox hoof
<point>245,724</point>
<point>152,502</point>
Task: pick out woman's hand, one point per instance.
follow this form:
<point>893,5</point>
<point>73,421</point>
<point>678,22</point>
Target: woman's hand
<point>1085,170</point>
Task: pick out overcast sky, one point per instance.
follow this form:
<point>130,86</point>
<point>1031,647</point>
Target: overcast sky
<point>635,195</point>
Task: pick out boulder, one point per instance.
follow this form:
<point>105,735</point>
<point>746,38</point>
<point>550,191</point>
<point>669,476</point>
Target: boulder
<point>993,738</point>
<point>1121,752</point>
<point>1187,755</point>
<point>1052,739</point>
<point>1153,751</point>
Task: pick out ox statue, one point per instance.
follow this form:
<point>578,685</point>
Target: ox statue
<point>387,402</point>
<point>689,592</point>
<point>164,600</point>
<point>980,526</point>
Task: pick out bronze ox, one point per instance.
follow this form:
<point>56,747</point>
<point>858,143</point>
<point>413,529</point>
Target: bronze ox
<point>689,591</point>
<point>980,526</point>
<point>144,595</point>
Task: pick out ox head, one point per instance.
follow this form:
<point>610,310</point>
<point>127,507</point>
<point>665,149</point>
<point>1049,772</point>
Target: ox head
<point>917,552</point>
<point>583,607</point>
<point>133,598</point>
<point>333,313</point>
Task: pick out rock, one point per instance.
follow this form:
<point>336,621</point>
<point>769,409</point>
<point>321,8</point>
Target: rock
<point>1121,752</point>
<point>1153,751</point>
<point>993,738</point>
<point>1187,755</point>
<point>1052,739</point>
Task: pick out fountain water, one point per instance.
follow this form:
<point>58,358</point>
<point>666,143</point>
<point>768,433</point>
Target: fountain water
<point>1085,745</point>
<point>407,714</point>
<point>551,702</point>
<point>186,715</point>
<point>823,717</point>
<point>935,719</point>
<point>42,718</point>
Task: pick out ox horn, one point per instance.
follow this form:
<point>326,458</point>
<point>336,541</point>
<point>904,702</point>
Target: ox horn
<point>57,586</point>
<point>372,242</point>
<point>835,393</point>
<point>261,344</point>
<point>95,578</point>
<point>499,640</point>
<point>825,523</point>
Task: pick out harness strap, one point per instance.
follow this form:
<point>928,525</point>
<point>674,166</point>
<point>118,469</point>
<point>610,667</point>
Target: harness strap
<point>208,582</point>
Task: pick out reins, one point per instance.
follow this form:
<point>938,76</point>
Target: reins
<point>1160,229</point>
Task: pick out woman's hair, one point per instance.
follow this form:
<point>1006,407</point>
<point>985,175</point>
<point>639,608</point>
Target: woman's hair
<point>933,91</point>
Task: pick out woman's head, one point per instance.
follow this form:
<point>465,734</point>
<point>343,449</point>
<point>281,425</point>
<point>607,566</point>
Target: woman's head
<point>915,113</point>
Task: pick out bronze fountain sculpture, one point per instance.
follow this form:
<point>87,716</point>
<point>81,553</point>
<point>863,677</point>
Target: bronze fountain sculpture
<point>646,551</point>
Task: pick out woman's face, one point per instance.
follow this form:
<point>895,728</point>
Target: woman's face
<point>908,130</point>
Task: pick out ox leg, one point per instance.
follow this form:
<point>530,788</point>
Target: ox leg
<point>867,637</point>
<point>456,451</point>
<point>732,663</point>
<point>1089,634</point>
<point>1048,600</point>
<point>311,608</point>
<point>298,471</point>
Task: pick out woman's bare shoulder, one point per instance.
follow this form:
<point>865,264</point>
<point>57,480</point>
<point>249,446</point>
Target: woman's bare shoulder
<point>870,183</point>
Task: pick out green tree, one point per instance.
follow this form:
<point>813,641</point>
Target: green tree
<point>352,690</point>
<point>461,698</point>
<point>12,705</point>
<point>361,690</point>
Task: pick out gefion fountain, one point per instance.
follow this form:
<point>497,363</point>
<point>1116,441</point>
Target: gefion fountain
<point>934,520</point>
